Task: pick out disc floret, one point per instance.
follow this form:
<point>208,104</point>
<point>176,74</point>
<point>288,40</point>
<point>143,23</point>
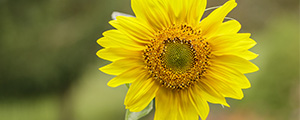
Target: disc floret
<point>177,56</point>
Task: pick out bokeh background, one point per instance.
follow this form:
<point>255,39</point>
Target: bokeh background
<point>49,67</point>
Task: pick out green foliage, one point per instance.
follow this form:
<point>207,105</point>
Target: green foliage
<point>137,115</point>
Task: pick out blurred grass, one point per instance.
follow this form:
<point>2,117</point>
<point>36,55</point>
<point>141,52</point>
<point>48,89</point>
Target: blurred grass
<point>49,67</point>
<point>94,100</point>
<point>276,86</point>
<point>45,108</point>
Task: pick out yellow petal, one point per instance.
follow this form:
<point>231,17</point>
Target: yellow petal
<point>174,105</point>
<point>246,54</point>
<point>210,94</point>
<point>166,105</point>
<point>179,9</point>
<point>195,11</point>
<point>128,76</point>
<point>133,29</point>
<point>198,101</point>
<point>229,27</point>
<point>238,63</point>
<point>211,23</point>
<point>153,12</point>
<point>227,41</point>
<point>247,43</point>
<point>113,54</point>
<point>187,110</point>
<point>104,42</point>
<point>187,11</point>
<point>115,38</point>
<point>233,44</point>
<point>140,94</point>
<point>225,89</point>
<point>122,65</point>
<point>229,75</point>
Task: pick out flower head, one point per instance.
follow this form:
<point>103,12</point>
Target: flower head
<point>167,53</point>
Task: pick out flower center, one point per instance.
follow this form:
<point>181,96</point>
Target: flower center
<point>177,57</point>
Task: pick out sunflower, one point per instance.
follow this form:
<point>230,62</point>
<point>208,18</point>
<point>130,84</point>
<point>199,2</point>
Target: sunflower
<point>167,53</point>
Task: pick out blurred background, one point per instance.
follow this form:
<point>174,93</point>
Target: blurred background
<point>49,67</point>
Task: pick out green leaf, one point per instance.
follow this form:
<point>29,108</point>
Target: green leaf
<point>127,85</point>
<point>137,115</point>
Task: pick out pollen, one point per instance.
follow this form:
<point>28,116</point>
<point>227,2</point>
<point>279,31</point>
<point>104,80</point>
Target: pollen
<point>177,57</point>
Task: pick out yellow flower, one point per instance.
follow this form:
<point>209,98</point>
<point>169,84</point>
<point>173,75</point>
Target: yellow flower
<point>166,53</point>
